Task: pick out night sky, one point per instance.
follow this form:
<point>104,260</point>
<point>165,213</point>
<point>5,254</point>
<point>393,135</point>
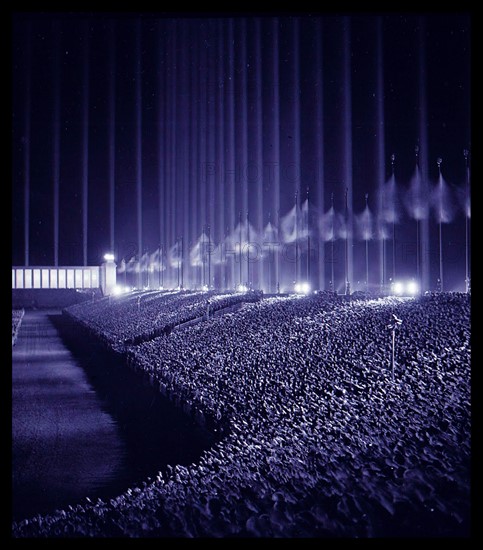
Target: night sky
<point>134,133</point>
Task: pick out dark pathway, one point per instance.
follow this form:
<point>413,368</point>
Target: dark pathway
<point>82,423</point>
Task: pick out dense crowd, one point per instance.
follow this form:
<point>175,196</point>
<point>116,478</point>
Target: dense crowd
<point>132,318</point>
<point>321,437</point>
<point>17,316</point>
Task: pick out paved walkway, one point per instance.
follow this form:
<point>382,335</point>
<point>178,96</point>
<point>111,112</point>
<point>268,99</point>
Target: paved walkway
<point>65,446</point>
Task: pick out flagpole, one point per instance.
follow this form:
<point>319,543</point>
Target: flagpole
<point>209,257</point>
<point>393,350</point>
<point>393,158</point>
<point>162,272</point>
<point>224,263</point>
<point>159,265</point>
<point>416,150</point>
<point>202,249</point>
<point>347,288</point>
<point>332,282</point>
<point>269,260</point>
<point>240,251</point>
<point>248,252</point>
<point>296,239</point>
<point>367,252</point>
<point>308,238</point>
<point>277,274</point>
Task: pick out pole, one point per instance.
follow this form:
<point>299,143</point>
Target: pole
<point>308,237</point>
<point>467,218</point>
<point>240,251</point>
<point>439,161</point>
<point>418,248</point>
<point>202,248</point>
<point>332,243</point>
<point>225,263</point>
<point>393,158</point>
<point>159,265</point>
<point>346,242</point>
<point>393,353</point>
<point>209,257</point>
<point>417,253</point>
<point>277,267</point>
<point>296,239</point>
<point>182,253</point>
<point>367,252</point>
<point>383,282</point>
<point>249,284</point>
<point>270,256</point>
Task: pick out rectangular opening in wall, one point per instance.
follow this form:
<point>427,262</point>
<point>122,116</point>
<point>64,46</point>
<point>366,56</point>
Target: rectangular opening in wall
<point>19,281</point>
<point>87,278</point>
<point>27,278</point>
<point>61,278</point>
<point>36,278</point>
<point>45,278</point>
<point>70,278</point>
<point>78,278</point>
<point>53,278</point>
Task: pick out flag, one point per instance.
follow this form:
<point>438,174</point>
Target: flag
<point>389,203</point>
<point>174,254</point>
<point>287,226</point>
<point>131,265</point>
<point>415,199</point>
<point>364,224</point>
<point>156,260</point>
<point>294,225</point>
<point>442,202</point>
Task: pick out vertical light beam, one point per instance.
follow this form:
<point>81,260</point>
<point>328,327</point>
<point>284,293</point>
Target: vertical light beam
<point>347,150</point>
<point>219,147</point>
<point>112,132</point>
<point>296,130</point>
<point>229,171</point>
<point>258,138</point>
<point>138,154</point>
<point>161,148</point>
<point>56,137</point>
<point>423,134</point>
<point>380,152</point>
<point>319,144</point>
<point>26,152</point>
<point>85,144</point>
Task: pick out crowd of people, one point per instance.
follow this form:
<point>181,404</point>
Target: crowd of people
<point>323,434</point>
<point>17,316</point>
<point>128,319</point>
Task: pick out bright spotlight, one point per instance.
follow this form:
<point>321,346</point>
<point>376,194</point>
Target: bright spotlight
<point>205,287</point>
<point>242,288</point>
<point>117,290</point>
<point>398,288</point>
<point>109,257</point>
<point>412,288</point>
<point>302,288</point>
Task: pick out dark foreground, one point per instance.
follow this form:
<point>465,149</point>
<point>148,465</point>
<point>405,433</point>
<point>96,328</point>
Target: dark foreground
<point>80,426</point>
